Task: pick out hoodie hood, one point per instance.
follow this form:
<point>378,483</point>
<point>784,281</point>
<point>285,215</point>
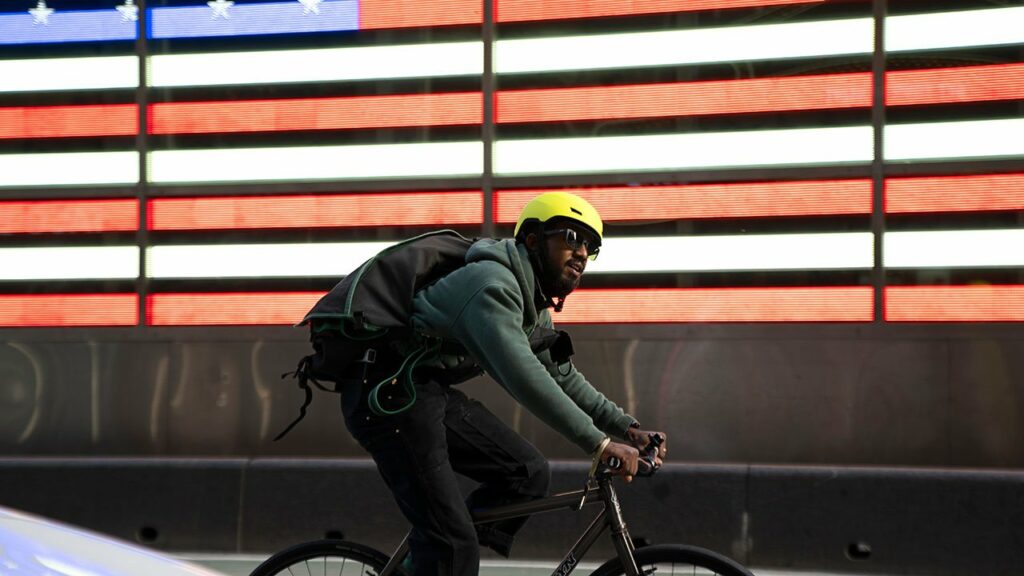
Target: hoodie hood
<point>516,258</point>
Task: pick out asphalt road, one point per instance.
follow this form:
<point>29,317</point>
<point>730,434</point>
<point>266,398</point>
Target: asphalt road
<point>242,565</point>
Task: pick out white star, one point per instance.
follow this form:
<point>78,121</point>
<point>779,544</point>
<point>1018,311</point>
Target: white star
<point>310,7</point>
<point>41,14</point>
<point>220,8</point>
<point>129,11</point>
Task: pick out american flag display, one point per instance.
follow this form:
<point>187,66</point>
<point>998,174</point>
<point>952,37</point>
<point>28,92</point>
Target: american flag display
<point>189,162</point>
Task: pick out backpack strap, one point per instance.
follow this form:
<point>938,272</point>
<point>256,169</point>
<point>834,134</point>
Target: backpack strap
<point>303,375</point>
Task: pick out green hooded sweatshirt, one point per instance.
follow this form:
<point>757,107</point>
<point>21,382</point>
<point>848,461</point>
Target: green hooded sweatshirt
<point>490,306</point>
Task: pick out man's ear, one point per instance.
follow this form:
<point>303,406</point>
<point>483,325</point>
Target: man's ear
<point>532,240</point>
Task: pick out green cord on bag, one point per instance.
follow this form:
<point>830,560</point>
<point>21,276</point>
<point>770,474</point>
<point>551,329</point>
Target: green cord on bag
<point>405,374</point>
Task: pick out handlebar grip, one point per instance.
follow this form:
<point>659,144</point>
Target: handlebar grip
<point>645,466</point>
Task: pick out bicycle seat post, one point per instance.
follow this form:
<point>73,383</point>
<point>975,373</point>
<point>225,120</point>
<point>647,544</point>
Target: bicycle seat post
<point>620,535</point>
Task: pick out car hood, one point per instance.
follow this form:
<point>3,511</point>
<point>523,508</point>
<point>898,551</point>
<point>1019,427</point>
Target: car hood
<point>31,546</point>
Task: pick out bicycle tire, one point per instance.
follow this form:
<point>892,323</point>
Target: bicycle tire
<point>324,557</point>
<point>676,560</point>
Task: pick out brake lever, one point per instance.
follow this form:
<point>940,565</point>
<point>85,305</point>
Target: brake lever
<point>647,466</point>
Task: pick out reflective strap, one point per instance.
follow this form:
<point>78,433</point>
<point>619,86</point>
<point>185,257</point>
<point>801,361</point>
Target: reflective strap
<point>597,454</point>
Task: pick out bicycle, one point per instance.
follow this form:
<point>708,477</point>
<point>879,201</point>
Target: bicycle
<point>629,560</point>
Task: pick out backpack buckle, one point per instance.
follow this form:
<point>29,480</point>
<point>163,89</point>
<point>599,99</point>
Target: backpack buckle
<point>369,356</point>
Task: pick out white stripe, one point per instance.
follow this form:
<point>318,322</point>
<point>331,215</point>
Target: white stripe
<point>318,65</point>
<point>258,260</point>
<point>850,250</point>
<point>954,249</point>
<point>69,263</point>
<point>800,147</point>
<point>990,27</point>
<point>665,254</point>
<point>39,74</point>
<point>57,169</point>
<point>942,140</point>
<point>317,162</point>
<point>677,47</point>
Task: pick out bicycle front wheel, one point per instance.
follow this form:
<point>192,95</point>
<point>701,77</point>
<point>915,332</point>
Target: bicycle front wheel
<point>676,560</point>
<point>324,557</point>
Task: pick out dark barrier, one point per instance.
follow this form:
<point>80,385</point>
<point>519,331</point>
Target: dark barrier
<point>837,519</point>
<point>887,521</point>
<point>172,504</point>
<point>287,501</point>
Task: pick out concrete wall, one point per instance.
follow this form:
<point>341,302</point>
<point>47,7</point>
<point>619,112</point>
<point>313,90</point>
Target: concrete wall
<point>881,395</point>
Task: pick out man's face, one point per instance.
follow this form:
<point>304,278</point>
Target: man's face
<point>565,266</point>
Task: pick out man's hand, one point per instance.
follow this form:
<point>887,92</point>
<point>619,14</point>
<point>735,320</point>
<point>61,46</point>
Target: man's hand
<point>626,454</point>
<point>641,438</point>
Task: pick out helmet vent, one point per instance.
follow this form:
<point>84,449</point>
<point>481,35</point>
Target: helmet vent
<point>576,211</point>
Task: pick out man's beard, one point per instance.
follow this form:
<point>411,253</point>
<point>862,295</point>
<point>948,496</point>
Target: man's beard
<point>555,283</point>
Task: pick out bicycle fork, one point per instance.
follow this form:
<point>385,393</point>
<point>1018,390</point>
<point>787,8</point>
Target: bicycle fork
<point>620,535</point>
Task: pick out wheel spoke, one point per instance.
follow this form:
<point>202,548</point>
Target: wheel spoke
<point>324,558</point>
<point>677,569</point>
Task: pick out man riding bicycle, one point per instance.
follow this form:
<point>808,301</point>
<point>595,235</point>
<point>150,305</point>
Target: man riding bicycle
<point>494,306</point>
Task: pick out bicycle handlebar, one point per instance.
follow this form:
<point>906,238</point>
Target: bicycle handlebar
<point>647,464</point>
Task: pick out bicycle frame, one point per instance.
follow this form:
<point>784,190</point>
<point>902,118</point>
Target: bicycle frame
<point>599,489</point>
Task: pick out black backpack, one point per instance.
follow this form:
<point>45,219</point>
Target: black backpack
<point>364,320</point>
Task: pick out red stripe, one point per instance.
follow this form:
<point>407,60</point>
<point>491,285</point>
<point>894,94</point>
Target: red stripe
<point>685,98</point>
<point>955,193</point>
<point>833,91</point>
<point>35,310</point>
<point>831,304</point>
<point>46,216</point>
<point>69,121</point>
<point>523,10</point>
<point>954,303</point>
<point>317,113</point>
<point>415,13</point>
<point>951,85</point>
<point>228,309</point>
<point>698,201</point>
<point>828,304</point>
<point>324,211</point>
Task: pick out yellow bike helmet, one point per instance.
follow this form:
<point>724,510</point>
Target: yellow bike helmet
<point>561,205</point>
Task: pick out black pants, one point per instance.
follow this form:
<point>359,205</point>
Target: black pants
<point>419,452</point>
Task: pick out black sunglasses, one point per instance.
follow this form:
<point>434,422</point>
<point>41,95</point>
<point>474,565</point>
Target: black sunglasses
<point>574,240</point>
